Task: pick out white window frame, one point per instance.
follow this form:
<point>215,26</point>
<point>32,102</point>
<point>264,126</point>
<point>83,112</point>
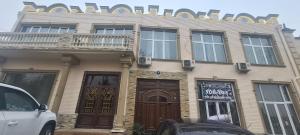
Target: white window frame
<point>163,44</point>
<point>49,28</point>
<point>261,46</point>
<point>113,29</point>
<point>284,102</point>
<point>213,43</point>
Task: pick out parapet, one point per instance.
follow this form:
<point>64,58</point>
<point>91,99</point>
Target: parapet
<point>122,9</point>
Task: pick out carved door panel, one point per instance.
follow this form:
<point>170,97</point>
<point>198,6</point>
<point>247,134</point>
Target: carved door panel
<point>98,101</point>
<point>156,100</point>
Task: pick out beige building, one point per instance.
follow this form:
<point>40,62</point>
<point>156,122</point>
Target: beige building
<point>108,68</point>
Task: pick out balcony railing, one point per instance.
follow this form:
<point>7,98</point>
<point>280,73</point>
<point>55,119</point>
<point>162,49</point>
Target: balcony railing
<point>13,40</point>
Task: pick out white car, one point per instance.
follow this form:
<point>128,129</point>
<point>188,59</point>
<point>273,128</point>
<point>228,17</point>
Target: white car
<point>21,114</point>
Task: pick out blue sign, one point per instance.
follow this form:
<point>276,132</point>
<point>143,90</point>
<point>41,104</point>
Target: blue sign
<point>216,91</point>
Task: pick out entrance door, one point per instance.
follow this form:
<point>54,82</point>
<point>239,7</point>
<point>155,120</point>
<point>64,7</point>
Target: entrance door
<point>156,100</point>
<point>98,100</point>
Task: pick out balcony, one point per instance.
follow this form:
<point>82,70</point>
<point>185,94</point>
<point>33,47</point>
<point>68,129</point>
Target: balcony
<point>66,42</point>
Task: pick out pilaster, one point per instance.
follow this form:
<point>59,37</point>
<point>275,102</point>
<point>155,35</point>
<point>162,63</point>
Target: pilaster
<point>119,124</point>
<point>68,61</point>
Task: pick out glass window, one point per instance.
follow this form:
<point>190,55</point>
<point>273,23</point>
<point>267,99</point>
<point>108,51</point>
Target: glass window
<point>44,30</point>
<point>49,29</point>
<point>38,85</point>
<point>63,30</point>
<point>216,106</point>
<point>18,101</point>
<point>163,42</point>
<point>112,30</point>
<point>26,29</point>
<point>277,110</point>
<point>35,29</point>
<point>259,50</point>
<point>53,29</point>
<point>271,92</point>
<point>198,51</point>
<point>213,49</point>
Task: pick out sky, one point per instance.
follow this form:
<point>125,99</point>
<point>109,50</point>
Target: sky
<point>288,10</point>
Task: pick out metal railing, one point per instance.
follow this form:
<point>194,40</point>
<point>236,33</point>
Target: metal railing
<point>64,41</point>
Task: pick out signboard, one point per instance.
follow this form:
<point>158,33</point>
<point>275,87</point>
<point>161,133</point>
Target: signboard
<point>216,91</point>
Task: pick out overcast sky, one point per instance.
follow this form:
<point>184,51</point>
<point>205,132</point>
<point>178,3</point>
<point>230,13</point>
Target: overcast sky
<point>288,10</point>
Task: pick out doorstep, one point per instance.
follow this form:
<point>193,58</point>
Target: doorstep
<point>80,131</point>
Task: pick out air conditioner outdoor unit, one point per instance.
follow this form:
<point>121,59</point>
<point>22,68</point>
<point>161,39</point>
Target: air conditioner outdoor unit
<point>188,64</point>
<point>243,67</point>
<point>144,61</point>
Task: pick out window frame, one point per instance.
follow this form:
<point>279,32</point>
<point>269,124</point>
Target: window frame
<point>113,27</point>
<point>153,40</point>
<point>225,43</point>
<point>41,25</point>
<point>288,88</point>
<point>52,90</point>
<point>274,46</point>
<point>236,99</point>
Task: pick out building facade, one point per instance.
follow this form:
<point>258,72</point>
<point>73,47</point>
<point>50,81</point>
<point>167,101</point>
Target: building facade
<point>87,66</point>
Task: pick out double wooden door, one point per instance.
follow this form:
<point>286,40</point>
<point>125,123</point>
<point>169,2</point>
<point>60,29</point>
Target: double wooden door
<point>156,100</point>
<point>98,100</point>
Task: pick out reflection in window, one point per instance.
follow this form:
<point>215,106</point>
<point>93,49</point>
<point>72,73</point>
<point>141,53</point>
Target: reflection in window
<point>17,101</point>
<point>37,84</point>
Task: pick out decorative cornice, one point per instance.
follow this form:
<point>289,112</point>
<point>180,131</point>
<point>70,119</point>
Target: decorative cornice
<point>153,10</point>
<point>94,5</point>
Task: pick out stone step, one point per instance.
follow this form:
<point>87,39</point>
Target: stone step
<point>85,132</point>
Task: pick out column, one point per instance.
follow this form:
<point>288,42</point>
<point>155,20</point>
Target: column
<point>122,101</point>
<point>2,61</point>
<point>68,61</point>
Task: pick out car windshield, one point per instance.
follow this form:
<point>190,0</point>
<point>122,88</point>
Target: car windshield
<point>189,131</point>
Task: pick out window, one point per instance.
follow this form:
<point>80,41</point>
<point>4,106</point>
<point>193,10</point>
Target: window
<point>158,43</point>
<point>208,47</point>
<point>17,101</point>
<point>217,102</point>
<point>48,29</point>
<point>38,85</point>
<point>277,109</point>
<point>259,50</point>
<point>112,30</point>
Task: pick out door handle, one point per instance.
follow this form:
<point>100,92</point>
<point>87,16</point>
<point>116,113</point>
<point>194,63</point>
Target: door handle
<point>12,123</point>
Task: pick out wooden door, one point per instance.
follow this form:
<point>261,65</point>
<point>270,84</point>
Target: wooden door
<point>156,100</point>
<point>98,100</point>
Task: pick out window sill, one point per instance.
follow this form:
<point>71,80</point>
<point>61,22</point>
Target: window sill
<point>208,62</point>
<point>264,65</point>
<point>167,60</point>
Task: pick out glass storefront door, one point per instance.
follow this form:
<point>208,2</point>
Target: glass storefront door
<point>277,109</point>
<point>217,102</point>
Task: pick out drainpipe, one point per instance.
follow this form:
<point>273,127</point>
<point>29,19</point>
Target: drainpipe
<point>296,80</point>
<point>288,52</point>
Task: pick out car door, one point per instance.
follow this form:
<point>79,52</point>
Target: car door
<point>1,123</point>
<point>2,120</point>
<point>20,113</point>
